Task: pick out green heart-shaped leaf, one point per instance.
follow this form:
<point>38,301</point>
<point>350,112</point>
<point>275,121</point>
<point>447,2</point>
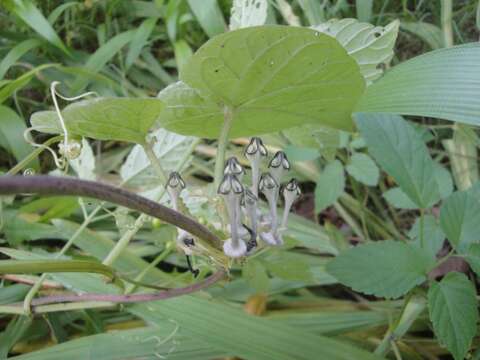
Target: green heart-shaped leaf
<point>270,77</point>
<point>121,119</point>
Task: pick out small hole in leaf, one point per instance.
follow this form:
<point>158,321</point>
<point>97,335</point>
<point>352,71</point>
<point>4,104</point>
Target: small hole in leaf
<point>381,66</point>
<point>377,34</point>
<point>216,70</point>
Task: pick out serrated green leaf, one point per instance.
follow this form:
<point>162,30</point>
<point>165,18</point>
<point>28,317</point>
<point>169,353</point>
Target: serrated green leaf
<point>460,218</point>
<point>330,185</point>
<point>121,119</point>
<point>363,169</point>
<point>248,13</point>
<point>433,236</point>
<point>398,199</point>
<point>453,310</point>
<point>271,78</point>
<point>422,86</point>
<point>400,151</point>
<point>369,45</point>
<point>385,269</point>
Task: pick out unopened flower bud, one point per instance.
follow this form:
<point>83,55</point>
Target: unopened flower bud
<point>278,166</point>
<point>175,185</point>
<point>233,167</point>
<point>291,192</point>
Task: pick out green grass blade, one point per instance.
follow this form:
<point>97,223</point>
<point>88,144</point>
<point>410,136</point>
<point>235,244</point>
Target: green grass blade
<point>139,41</point>
<point>16,53</point>
<point>226,328</point>
<point>26,10</point>
<point>443,84</point>
<point>209,16</point>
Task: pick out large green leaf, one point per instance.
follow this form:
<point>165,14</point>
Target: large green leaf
<point>121,119</point>
<point>453,310</point>
<point>401,152</point>
<point>386,268</point>
<point>460,218</point>
<point>145,343</point>
<point>444,84</point>
<point>244,335</point>
<point>270,78</point>
<point>371,46</point>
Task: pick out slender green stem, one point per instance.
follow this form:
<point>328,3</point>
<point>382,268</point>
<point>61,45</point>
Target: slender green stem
<point>162,256</point>
<point>148,148</point>
<point>25,161</point>
<point>222,145</point>
<point>129,234</point>
<point>413,307</point>
<point>349,220</point>
<point>447,22</point>
<point>31,294</point>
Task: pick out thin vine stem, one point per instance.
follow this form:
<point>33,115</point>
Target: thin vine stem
<point>111,299</point>
<point>50,185</point>
<point>34,289</point>
<point>129,234</point>
<point>222,145</point>
<point>27,159</point>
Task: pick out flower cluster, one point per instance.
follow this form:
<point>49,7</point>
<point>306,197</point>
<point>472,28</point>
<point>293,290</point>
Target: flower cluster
<point>247,223</point>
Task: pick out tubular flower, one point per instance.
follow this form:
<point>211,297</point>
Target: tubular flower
<point>231,191</point>
<point>254,152</point>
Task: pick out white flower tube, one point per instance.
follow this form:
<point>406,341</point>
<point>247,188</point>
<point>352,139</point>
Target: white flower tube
<point>231,191</point>
<point>255,152</point>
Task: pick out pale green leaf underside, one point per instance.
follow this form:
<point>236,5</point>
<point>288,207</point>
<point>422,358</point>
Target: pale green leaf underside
<point>121,119</point>
<point>401,152</point>
<point>369,45</point>
<point>385,269</point>
<point>453,310</point>
<point>443,84</point>
<point>248,13</point>
<point>272,77</point>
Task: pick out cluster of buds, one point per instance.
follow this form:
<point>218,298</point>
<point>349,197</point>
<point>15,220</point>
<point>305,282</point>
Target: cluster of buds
<point>247,223</point>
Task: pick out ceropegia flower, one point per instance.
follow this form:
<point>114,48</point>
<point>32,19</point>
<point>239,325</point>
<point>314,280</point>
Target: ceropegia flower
<point>254,152</point>
<point>232,190</point>
<point>175,185</point>
<point>184,241</point>
<point>269,187</point>
<point>278,166</point>
<point>232,166</point>
<point>291,192</point>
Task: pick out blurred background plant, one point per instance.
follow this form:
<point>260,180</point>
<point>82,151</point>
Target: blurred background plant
<point>135,49</point>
